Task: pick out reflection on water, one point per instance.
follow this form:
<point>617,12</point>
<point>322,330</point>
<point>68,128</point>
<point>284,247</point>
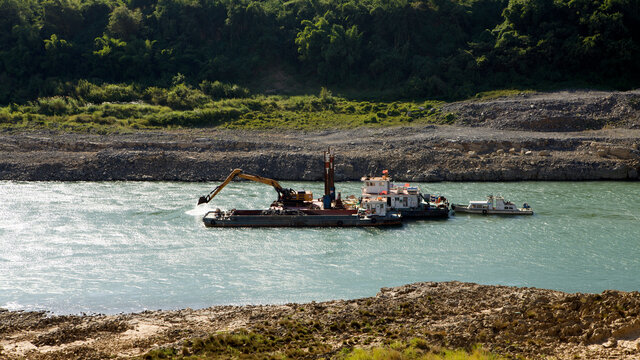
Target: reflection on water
<point>127,246</point>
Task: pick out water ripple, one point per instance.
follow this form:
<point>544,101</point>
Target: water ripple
<point>128,246</point>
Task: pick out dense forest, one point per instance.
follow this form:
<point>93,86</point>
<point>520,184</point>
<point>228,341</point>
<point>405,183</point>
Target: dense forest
<point>379,48</point>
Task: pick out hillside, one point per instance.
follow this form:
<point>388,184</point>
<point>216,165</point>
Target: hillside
<point>361,49</point>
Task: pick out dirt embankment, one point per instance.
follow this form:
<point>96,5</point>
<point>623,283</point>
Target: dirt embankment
<point>557,136</point>
<point>529,322</point>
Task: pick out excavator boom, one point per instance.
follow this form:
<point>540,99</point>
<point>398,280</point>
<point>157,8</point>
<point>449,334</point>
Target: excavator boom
<point>284,195</point>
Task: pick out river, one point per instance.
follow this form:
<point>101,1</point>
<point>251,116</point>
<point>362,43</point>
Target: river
<point>110,247</point>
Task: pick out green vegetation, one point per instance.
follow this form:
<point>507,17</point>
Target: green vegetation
<point>298,342</point>
<point>399,351</point>
<point>117,108</point>
<point>361,49</point>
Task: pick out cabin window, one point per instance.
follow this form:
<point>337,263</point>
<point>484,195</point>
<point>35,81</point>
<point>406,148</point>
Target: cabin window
<point>404,201</point>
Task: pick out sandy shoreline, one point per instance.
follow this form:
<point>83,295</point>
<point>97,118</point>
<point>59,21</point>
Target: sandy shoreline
<point>512,321</point>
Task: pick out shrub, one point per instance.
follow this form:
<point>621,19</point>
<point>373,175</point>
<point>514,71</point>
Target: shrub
<point>155,95</point>
<point>57,105</point>
<point>219,90</point>
<point>106,92</point>
<point>450,118</point>
<point>393,112</point>
<point>326,96</point>
<point>182,96</point>
<point>371,120</point>
<point>200,117</point>
<point>5,118</point>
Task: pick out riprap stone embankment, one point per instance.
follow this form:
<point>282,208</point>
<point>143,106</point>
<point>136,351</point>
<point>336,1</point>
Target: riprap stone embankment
<point>430,153</point>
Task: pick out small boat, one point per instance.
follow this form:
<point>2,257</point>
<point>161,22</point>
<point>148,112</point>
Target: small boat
<point>295,218</point>
<point>493,206</point>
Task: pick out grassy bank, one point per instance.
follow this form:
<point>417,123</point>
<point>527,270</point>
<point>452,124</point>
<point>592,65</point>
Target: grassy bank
<point>114,108</point>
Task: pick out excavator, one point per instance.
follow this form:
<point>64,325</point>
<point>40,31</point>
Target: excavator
<point>285,196</point>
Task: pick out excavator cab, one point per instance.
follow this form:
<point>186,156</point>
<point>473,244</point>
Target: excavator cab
<point>302,195</point>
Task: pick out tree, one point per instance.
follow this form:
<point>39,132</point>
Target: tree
<point>125,23</point>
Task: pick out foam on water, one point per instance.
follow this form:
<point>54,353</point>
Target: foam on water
<point>128,246</point>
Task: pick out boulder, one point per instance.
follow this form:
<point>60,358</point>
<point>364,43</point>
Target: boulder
<point>544,153</point>
<point>480,147</point>
<point>621,153</point>
<point>611,343</point>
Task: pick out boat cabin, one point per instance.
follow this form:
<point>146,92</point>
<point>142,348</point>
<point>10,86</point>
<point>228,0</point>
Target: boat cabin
<point>376,207</point>
<point>396,196</point>
<point>376,185</point>
<point>480,205</point>
<point>504,205</point>
<point>493,203</point>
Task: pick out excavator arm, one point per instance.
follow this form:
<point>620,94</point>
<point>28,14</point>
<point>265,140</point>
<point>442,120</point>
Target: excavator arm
<point>214,192</point>
<point>283,194</point>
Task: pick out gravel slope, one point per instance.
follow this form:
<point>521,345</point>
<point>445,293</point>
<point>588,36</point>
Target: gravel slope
<point>427,153</point>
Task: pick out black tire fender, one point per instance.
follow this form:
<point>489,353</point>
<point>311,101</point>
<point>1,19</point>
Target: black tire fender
<point>373,220</point>
<point>484,212</point>
<point>339,223</point>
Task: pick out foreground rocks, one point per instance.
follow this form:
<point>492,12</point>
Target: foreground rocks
<point>527,322</point>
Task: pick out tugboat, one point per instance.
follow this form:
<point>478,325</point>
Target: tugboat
<point>406,199</point>
<point>493,206</point>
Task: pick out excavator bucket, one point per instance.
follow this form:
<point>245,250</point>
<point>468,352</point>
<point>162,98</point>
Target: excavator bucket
<point>202,200</point>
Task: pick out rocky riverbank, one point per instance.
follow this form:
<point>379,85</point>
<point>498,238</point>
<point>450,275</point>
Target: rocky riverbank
<point>526,322</point>
<point>558,136</point>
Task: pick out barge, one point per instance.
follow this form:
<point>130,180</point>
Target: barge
<point>295,218</point>
<point>381,204</point>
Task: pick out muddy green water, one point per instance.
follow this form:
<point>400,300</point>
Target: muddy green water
<point>114,247</point>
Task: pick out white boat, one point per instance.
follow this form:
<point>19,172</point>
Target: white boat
<point>492,206</point>
<point>405,199</point>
